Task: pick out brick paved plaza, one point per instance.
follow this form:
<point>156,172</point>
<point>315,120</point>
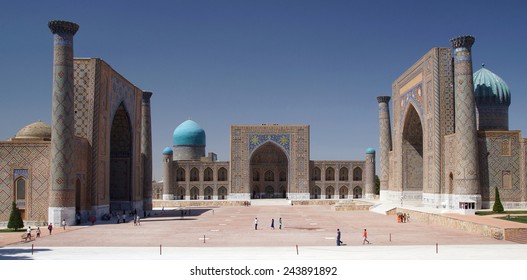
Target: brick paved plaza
<point>234,227</point>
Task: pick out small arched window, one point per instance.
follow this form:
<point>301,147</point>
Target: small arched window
<point>256,175</point>
<point>20,192</point>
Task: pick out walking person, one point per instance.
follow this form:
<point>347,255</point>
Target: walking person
<point>365,235</point>
<point>92,220</point>
<point>280,223</point>
<point>64,224</point>
<point>272,223</point>
<point>255,223</point>
<point>50,228</point>
<point>38,231</point>
<point>339,242</point>
<point>28,231</point>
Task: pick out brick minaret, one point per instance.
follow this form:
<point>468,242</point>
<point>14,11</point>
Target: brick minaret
<point>167,174</point>
<point>146,150</point>
<point>369,177</point>
<point>466,180</point>
<point>62,191</point>
<point>385,141</point>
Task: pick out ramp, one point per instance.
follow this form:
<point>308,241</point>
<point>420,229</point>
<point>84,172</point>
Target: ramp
<point>382,208</point>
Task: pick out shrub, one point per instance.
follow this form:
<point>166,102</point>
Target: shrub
<point>498,207</point>
<point>15,218</point>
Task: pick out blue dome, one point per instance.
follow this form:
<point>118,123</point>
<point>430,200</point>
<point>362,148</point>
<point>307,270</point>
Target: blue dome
<point>370,151</point>
<point>167,151</point>
<point>189,133</point>
<point>490,89</point>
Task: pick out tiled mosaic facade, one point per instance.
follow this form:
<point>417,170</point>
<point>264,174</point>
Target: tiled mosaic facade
<point>438,157</point>
<point>267,161</point>
<point>72,172</point>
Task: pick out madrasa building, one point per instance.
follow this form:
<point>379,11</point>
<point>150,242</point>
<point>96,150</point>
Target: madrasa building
<point>447,143</point>
<point>96,157</point>
<point>270,161</point>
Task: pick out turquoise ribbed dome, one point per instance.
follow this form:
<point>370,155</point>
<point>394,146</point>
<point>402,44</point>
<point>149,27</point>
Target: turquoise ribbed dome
<point>189,133</point>
<point>167,151</point>
<point>370,151</point>
<point>490,89</point>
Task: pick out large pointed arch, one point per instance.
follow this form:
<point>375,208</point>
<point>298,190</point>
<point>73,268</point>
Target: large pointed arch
<point>412,151</point>
<point>272,159</point>
<point>121,137</point>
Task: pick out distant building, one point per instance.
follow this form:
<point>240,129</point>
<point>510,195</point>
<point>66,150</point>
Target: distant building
<point>267,161</point>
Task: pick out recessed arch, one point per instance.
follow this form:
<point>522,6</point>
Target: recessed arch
<point>316,174</point>
<point>208,174</point>
<point>343,174</point>
<point>330,192</point>
<point>357,174</point>
<point>194,193</point>
<point>316,192</point>
<point>357,192</point>
<point>121,157</point>
<point>208,193</point>
<point>343,192</point>
<point>412,151</point>
<point>268,159</point>
<point>330,174</point>
<point>194,174</point>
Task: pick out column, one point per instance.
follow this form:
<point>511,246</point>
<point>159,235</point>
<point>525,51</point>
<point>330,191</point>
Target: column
<point>146,150</point>
<point>385,142</point>
<point>62,189</point>
<point>466,180</point>
<point>369,176</point>
<point>167,173</point>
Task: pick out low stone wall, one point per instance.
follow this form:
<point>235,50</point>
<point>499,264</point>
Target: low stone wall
<point>195,203</point>
<point>352,207</point>
<point>450,222</point>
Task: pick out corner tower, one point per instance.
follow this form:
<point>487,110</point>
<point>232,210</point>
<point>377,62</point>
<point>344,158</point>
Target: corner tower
<point>385,142</point>
<point>62,191</point>
<point>466,173</point>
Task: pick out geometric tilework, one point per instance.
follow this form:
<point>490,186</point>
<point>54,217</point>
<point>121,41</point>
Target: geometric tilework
<point>33,157</point>
<point>466,171</point>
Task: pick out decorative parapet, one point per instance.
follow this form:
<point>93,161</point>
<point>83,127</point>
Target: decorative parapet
<point>464,41</point>
<point>59,26</point>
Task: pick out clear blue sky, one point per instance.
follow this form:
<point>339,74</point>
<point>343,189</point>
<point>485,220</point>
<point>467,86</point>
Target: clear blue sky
<point>320,63</point>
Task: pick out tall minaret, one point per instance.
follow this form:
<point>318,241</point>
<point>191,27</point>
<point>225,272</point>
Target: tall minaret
<point>167,173</point>
<point>62,191</point>
<point>466,180</point>
<point>146,150</point>
<point>369,177</point>
<point>385,142</point>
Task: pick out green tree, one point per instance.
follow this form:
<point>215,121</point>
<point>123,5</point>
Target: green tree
<point>498,207</point>
<point>377,185</point>
<point>15,218</point>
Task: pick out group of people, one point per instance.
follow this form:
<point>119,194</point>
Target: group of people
<point>364,236</point>
<point>272,223</point>
<point>403,217</point>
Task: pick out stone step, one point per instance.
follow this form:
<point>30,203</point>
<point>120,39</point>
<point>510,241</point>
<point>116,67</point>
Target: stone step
<point>270,202</point>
